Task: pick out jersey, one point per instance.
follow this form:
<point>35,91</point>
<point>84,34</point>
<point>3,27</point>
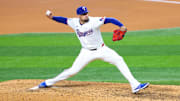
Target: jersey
<point>89,33</point>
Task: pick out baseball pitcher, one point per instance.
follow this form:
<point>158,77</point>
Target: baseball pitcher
<point>87,29</point>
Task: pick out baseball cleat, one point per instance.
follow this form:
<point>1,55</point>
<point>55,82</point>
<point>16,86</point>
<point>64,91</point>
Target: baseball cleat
<point>41,85</point>
<point>141,86</point>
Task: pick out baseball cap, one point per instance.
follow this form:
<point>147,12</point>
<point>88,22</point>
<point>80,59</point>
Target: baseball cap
<point>81,10</point>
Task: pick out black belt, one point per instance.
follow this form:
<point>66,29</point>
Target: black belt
<point>93,49</point>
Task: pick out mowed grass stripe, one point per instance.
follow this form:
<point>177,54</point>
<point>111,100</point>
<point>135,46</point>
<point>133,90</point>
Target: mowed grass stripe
<point>71,40</point>
<point>128,50</point>
<point>105,74</point>
<point>148,37</point>
<point>67,61</point>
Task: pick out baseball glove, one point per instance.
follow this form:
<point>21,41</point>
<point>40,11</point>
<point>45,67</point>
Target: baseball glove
<point>118,34</point>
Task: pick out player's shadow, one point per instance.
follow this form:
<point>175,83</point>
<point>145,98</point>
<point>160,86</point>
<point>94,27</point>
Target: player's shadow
<point>73,85</point>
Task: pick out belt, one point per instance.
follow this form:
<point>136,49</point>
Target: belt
<point>96,48</point>
<point>93,49</point>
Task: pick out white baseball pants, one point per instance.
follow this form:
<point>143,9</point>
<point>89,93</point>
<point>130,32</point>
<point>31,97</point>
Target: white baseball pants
<point>86,56</point>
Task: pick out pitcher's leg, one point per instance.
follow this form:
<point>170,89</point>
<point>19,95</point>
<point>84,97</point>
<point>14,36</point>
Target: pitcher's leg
<point>122,66</point>
<point>113,58</point>
<point>81,61</point>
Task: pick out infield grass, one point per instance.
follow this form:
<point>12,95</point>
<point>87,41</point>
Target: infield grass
<point>152,56</point>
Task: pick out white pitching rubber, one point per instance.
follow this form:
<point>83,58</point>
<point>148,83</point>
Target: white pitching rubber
<point>34,88</point>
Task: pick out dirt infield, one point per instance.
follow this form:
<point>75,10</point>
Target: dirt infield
<point>17,90</point>
<point>18,16</point>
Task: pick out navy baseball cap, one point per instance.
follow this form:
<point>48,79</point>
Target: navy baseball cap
<point>81,10</point>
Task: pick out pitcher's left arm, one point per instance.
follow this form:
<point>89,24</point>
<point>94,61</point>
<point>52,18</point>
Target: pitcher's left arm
<point>118,33</point>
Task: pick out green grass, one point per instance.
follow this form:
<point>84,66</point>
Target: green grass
<point>152,56</point>
<point>102,74</point>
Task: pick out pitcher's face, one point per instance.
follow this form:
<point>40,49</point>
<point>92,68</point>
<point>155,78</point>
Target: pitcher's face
<point>84,17</point>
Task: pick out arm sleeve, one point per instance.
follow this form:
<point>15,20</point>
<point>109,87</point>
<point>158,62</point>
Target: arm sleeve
<point>113,21</point>
<point>99,21</point>
<point>60,19</point>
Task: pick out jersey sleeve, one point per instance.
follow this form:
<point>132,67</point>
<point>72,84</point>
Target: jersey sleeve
<point>71,22</point>
<point>99,21</point>
<point>60,19</point>
<point>113,21</point>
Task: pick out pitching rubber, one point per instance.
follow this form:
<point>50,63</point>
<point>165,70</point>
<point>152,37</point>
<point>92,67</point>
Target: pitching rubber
<point>34,88</point>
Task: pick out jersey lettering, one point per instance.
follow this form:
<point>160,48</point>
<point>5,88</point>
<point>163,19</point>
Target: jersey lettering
<point>83,34</point>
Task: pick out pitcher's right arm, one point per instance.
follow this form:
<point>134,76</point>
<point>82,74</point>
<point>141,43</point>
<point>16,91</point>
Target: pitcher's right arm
<point>56,18</point>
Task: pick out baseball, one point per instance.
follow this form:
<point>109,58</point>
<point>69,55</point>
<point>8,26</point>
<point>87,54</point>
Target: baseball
<point>48,12</point>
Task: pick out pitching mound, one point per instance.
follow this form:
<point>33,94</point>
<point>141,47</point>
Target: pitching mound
<point>17,90</point>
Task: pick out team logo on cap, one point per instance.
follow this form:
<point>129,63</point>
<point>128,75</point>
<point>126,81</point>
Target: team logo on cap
<point>84,8</point>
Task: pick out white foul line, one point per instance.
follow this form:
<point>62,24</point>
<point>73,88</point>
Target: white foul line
<point>164,1</point>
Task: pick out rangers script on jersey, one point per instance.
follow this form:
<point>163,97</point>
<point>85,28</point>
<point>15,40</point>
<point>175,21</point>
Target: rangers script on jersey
<point>89,33</point>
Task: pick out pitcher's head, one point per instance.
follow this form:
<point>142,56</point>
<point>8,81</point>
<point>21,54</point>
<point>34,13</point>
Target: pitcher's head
<point>82,12</point>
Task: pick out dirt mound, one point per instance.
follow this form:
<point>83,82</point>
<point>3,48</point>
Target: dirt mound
<point>17,90</point>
